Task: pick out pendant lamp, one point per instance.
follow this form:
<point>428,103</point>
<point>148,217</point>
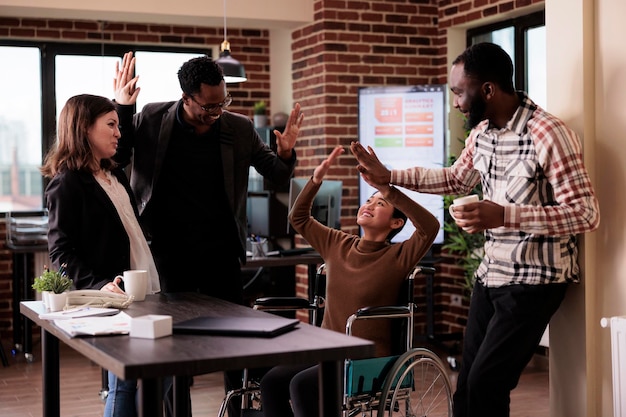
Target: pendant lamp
<point>234,72</point>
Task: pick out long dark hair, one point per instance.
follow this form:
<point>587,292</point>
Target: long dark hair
<point>71,149</point>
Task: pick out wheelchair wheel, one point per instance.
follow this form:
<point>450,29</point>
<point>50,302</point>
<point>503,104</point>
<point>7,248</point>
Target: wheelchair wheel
<point>417,386</point>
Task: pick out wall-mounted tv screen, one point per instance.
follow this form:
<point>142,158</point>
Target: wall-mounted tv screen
<point>327,203</point>
<point>405,125</point>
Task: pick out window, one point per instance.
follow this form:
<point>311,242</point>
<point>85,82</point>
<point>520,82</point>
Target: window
<point>20,127</point>
<point>524,39</point>
<point>37,85</point>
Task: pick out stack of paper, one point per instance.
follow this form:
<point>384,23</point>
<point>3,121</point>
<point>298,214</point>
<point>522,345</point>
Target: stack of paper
<point>77,312</point>
<point>95,326</point>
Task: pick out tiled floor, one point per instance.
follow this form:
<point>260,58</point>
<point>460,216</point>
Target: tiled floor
<point>20,389</point>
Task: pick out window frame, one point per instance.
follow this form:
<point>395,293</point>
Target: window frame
<point>520,25</point>
<point>48,52</point>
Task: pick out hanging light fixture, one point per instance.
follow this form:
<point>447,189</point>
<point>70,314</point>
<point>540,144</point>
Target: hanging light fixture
<point>234,72</point>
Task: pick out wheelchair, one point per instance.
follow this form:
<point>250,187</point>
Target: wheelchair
<point>414,383</point>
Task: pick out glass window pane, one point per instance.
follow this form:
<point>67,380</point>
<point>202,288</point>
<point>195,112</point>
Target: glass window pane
<point>80,74</point>
<point>158,75</point>
<point>20,128</point>
<point>536,65</point>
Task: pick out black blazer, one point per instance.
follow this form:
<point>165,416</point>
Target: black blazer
<point>148,133</point>
<point>85,230</point>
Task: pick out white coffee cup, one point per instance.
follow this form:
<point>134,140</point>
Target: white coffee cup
<point>472,198</point>
<point>135,283</point>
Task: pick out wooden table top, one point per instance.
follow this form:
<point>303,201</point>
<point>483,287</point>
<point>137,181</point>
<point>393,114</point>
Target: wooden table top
<point>181,354</point>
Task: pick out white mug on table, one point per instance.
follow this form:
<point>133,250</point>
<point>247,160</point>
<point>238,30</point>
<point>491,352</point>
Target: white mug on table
<point>135,283</point>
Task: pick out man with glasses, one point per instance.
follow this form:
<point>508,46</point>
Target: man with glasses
<point>190,163</point>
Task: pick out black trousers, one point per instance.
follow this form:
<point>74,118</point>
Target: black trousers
<point>214,274</point>
<point>504,328</point>
<point>288,391</point>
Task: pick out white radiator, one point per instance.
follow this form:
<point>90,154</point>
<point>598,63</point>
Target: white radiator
<point>618,355</point>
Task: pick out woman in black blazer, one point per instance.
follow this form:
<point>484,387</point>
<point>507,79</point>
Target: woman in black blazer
<point>93,226</point>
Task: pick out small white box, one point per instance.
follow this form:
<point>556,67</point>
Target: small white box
<point>151,326</point>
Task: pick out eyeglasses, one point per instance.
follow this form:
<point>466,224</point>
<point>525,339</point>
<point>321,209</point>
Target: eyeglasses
<point>214,108</point>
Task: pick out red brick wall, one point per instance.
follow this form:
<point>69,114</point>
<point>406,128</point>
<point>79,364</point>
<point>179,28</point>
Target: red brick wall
<point>351,44</point>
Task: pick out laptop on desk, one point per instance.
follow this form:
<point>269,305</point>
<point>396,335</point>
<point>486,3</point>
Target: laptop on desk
<point>236,326</point>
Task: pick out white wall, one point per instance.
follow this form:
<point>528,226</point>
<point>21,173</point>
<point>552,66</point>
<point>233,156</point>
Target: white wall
<point>586,83</point>
<point>610,130</point>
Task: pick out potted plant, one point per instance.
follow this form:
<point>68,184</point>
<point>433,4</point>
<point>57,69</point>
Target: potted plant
<point>53,286</point>
<point>468,246</point>
<point>260,114</point>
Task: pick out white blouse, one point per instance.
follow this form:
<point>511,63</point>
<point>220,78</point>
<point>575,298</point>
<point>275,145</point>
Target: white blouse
<point>140,255</point>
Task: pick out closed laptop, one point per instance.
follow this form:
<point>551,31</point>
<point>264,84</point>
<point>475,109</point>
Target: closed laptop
<point>237,326</point>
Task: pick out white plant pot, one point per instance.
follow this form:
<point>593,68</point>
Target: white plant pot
<point>45,295</point>
<point>260,120</point>
<point>56,302</point>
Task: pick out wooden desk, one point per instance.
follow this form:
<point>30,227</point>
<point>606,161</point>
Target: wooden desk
<point>150,360</point>
<point>274,261</point>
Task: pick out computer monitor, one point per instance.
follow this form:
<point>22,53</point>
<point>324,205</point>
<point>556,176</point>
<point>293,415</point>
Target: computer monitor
<point>406,127</point>
<point>327,203</point>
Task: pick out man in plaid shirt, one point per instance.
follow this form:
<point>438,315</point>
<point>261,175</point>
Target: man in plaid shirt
<point>537,199</point>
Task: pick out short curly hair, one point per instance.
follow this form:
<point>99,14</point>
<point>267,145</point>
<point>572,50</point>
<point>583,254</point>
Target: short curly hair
<point>488,62</point>
<point>197,71</point>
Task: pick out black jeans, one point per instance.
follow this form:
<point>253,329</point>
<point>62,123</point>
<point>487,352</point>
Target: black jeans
<point>504,328</point>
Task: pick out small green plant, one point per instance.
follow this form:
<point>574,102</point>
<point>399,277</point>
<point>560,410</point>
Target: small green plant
<point>54,281</point>
<point>469,247</point>
<point>260,107</point>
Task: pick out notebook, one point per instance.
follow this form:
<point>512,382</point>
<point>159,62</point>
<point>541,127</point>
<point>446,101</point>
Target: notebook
<point>236,326</point>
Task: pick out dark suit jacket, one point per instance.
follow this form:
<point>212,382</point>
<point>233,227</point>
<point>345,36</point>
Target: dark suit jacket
<point>149,133</point>
<point>85,230</point>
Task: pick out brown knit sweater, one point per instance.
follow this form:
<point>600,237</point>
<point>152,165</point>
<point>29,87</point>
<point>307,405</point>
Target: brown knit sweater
<point>362,273</point>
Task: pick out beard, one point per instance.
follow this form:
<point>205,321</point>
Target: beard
<point>477,109</point>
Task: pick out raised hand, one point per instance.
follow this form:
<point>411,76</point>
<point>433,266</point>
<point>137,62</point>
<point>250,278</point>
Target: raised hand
<point>372,170</point>
<point>322,169</point>
<point>124,84</point>
<point>286,140</point>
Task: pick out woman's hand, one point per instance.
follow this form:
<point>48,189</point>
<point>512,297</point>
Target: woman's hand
<point>113,286</point>
<point>322,169</point>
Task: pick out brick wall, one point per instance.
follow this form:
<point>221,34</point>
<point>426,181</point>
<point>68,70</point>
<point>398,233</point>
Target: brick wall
<point>351,44</point>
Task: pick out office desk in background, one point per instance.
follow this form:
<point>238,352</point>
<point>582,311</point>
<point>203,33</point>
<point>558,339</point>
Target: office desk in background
<point>311,260</point>
<point>23,278</point>
<point>181,355</point>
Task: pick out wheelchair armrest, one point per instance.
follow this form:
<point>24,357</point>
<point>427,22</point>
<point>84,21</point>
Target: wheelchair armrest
<point>282,302</point>
<point>381,311</point>
<point>390,312</point>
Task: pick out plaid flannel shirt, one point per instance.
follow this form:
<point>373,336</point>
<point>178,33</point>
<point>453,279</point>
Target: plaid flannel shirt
<point>534,168</point>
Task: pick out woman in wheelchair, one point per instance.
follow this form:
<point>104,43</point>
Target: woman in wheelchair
<point>361,271</point>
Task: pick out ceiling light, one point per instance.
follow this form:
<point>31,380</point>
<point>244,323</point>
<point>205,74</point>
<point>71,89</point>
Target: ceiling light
<point>234,71</point>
